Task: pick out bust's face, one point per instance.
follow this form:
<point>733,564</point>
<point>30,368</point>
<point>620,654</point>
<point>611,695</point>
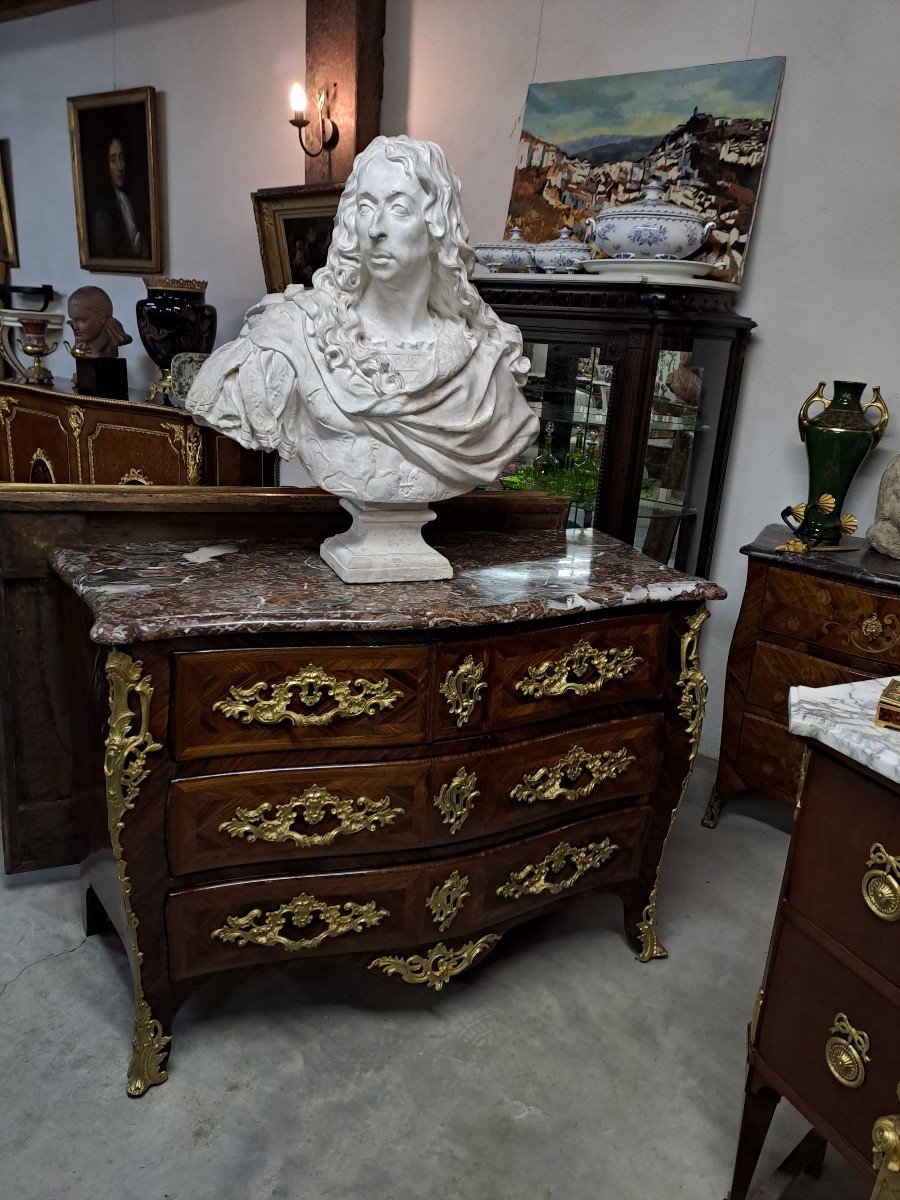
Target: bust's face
<point>87,325</point>
<point>390,222</point>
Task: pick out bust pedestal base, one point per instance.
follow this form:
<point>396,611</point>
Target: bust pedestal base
<point>385,545</point>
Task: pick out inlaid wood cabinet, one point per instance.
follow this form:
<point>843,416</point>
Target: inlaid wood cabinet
<point>811,619</point>
<point>825,1032</point>
<point>401,795</point>
<point>57,435</point>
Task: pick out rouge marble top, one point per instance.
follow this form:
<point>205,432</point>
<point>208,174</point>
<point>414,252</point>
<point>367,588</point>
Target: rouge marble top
<point>152,590</point>
<point>842,717</point>
<point>855,563</point>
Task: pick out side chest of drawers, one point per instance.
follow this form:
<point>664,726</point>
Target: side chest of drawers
<point>812,620</point>
<point>825,1033</point>
<point>402,799</point>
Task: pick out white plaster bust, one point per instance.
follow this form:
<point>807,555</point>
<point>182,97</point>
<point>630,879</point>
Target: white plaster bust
<point>391,380</point>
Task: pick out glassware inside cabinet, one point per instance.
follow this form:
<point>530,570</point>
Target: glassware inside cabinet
<point>684,415</point>
<point>568,388</point>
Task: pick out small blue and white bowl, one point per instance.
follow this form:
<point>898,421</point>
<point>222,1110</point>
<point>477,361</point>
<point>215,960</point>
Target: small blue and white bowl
<point>565,253</point>
<point>514,254</point>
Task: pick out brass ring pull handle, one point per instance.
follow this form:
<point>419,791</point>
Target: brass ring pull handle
<point>847,1052</point>
<point>881,884</point>
<point>803,415</point>
<point>886,1156</point>
<point>877,401</point>
<point>870,628</point>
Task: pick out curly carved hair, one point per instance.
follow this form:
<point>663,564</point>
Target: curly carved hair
<point>341,282</point>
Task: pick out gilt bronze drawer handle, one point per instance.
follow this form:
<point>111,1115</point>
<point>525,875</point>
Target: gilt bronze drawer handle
<point>455,799</point>
<point>847,1052</point>
<point>560,782</point>
<point>439,965</point>
<point>265,929</point>
<point>271,823</point>
<point>361,698</point>
<point>552,678</point>
<point>462,689</point>
<point>446,900</point>
<point>881,885</point>
<point>538,877</point>
<point>871,633</point>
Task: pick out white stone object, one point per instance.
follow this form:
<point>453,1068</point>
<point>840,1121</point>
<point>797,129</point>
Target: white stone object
<point>649,228</point>
<point>843,717</point>
<point>514,254</point>
<point>565,253</point>
<point>390,379</point>
<point>884,534</point>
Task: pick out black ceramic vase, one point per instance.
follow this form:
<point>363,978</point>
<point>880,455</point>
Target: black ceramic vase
<point>174,317</point>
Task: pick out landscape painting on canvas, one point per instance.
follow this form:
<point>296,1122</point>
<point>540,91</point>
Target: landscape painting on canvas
<point>703,132</point>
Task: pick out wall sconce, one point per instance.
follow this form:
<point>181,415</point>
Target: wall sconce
<point>328,131</point>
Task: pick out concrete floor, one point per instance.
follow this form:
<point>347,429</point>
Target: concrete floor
<point>564,1070</point>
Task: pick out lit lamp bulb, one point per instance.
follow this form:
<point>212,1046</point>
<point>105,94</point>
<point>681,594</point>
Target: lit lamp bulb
<point>328,131</point>
<point>298,101</point>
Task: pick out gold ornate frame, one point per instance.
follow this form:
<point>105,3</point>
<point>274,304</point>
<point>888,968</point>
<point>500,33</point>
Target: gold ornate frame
<point>272,207</point>
<point>111,100</point>
<point>9,255</point>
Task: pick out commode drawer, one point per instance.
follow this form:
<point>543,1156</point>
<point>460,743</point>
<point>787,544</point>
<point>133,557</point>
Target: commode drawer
<point>310,812</point>
<point>776,670</point>
<point>844,618</point>
<point>850,886</point>
<point>831,1037</point>
<point>227,925</point>
<point>770,755</point>
<point>245,701</point>
<point>552,674</point>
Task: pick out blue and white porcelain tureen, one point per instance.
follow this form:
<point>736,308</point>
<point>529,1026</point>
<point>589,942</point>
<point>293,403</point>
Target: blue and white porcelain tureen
<point>649,228</point>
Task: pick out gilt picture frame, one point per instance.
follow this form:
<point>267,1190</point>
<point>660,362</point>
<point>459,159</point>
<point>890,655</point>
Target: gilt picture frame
<point>294,226</point>
<point>9,255</point>
<point>115,176</point>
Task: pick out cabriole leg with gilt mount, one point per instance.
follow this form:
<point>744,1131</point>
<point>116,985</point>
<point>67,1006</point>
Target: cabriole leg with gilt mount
<point>129,745</point>
<point>686,705</point>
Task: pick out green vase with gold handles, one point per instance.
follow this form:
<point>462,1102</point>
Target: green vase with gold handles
<point>837,441</point>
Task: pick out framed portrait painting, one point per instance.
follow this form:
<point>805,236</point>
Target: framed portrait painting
<point>294,226</point>
<point>114,168</point>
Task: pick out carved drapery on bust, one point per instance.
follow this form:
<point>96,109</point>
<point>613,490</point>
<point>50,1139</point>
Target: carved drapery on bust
<point>390,379</point>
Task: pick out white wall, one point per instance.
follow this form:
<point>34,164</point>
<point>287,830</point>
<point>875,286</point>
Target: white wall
<point>823,278</point>
<point>222,70</point>
<point>823,275</point>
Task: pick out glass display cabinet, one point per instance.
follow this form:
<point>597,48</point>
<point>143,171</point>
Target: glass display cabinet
<point>636,387</point>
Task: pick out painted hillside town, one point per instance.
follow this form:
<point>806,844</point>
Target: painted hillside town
<point>703,132</point>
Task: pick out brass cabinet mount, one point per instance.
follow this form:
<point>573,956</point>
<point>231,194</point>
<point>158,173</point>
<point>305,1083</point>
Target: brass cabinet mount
<point>260,928</point>
<point>446,900</point>
<point>847,1052</point>
<point>312,685</point>
<point>881,884</point>
<point>544,876</point>
<point>561,781</point>
<point>455,799</point>
<point>275,823</point>
<point>462,689</point>
<point>439,965</point>
<point>568,672</point>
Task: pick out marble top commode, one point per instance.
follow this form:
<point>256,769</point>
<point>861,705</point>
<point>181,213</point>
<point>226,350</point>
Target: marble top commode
<point>842,717</point>
<point>149,591</point>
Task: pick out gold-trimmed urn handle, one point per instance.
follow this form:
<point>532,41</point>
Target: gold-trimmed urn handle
<point>881,884</point>
<point>877,402</point>
<point>803,416</point>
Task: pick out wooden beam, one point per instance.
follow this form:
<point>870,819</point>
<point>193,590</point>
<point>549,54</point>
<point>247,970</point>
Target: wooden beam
<point>10,10</point>
<point>345,57</point>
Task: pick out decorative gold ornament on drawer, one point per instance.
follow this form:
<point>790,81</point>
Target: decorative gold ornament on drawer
<point>76,419</point>
<point>560,782</point>
<point>537,877</point>
<point>446,900</point>
<point>847,1052</point>
<point>136,476</point>
<point>439,965</point>
<point>552,678</point>
<point>125,769</point>
<point>41,456</point>
<point>361,698</point>
<point>886,1156</point>
<point>455,799</point>
<point>265,929</point>
<point>462,689</point>
<point>870,634</point>
<point>881,885</point>
<point>271,823</point>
